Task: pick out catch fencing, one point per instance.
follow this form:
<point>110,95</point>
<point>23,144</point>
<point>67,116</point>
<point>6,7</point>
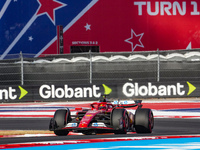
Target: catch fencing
<point>98,68</point>
<point>158,68</point>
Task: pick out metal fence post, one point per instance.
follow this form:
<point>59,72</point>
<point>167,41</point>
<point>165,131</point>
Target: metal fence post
<point>22,69</point>
<point>158,66</point>
<point>90,67</point>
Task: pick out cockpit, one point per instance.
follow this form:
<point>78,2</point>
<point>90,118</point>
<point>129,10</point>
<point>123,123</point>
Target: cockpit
<point>102,106</point>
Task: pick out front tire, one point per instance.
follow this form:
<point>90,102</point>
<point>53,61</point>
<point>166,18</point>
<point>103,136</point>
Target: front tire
<point>61,118</point>
<point>144,120</point>
<point>120,121</point>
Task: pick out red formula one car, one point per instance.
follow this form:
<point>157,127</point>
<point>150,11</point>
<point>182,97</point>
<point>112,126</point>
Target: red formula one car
<point>103,117</point>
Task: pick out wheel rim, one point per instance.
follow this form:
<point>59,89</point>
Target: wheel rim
<point>151,120</point>
<point>126,122</point>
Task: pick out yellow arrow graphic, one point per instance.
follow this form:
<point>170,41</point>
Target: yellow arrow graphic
<point>107,90</point>
<point>191,88</point>
<point>23,92</point>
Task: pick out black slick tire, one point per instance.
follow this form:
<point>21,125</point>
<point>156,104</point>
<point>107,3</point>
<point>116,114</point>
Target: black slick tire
<point>120,121</point>
<point>144,120</point>
<point>61,117</point>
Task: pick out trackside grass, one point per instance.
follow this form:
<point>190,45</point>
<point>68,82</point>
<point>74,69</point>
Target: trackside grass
<point>22,132</point>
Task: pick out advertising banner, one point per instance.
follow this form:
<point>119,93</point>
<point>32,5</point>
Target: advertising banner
<point>111,25</point>
<point>60,39</point>
<point>128,90</point>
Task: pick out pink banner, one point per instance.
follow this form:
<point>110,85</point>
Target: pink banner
<point>136,25</point>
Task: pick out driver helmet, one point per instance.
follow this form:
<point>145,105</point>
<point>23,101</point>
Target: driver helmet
<point>102,106</point>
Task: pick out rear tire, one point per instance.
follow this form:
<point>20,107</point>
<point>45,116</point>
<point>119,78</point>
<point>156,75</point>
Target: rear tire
<point>61,118</point>
<point>120,121</point>
<point>144,120</point>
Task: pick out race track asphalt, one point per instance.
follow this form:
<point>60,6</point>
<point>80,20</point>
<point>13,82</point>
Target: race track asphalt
<point>162,127</point>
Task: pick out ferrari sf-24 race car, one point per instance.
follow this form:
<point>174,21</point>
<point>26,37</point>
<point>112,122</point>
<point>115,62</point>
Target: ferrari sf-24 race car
<point>103,117</point>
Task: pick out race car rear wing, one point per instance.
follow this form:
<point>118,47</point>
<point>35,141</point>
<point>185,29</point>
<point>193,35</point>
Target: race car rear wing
<point>137,103</point>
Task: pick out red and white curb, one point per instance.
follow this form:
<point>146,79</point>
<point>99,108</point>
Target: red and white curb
<point>65,142</point>
<point>160,109</point>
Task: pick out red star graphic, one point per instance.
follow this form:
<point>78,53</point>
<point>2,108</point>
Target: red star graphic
<point>135,40</point>
<point>48,7</point>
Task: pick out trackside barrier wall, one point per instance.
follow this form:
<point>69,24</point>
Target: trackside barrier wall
<point>127,90</point>
<point>80,76</point>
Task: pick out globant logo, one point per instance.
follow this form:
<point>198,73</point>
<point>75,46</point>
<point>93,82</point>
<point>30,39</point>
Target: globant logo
<point>134,89</point>
<point>50,91</point>
<point>11,93</point>
<point>8,94</point>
